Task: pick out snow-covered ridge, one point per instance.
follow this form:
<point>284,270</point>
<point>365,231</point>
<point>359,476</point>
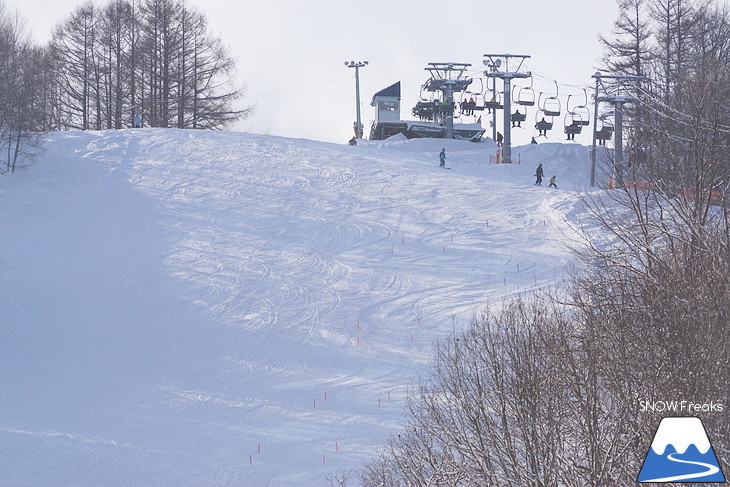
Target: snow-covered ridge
<point>205,308</point>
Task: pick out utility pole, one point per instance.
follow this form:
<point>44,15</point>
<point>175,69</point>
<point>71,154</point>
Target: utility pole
<point>448,79</point>
<point>358,123</point>
<point>495,60</point>
<point>618,101</point>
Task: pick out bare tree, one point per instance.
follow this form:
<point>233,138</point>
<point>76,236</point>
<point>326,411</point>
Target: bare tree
<point>494,411</point>
<point>154,58</point>
<point>20,91</point>
<point>628,50</point>
<point>673,20</point>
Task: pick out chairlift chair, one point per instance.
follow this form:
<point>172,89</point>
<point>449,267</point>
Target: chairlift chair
<point>605,130</point>
<point>478,104</point>
<point>573,123</point>
<point>525,96</point>
<point>494,103</point>
<point>551,104</point>
<point>423,110</point>
<point>467,106</point>
<point>518,117</point>
<point>581,110</point>
<point>542,124</point>
<point>585,114</point>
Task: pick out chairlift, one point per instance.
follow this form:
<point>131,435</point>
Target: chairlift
<point>471,101</point>
<point>518,118</point>
<point>525,95</point>
<point>573,123</point>
<point>543,122</point>
<point>582,110</point>
<point>605,129</point>
<point>495,102</point>
<point>551,105</point>
<point>479,101</point>
<point>423,110</point>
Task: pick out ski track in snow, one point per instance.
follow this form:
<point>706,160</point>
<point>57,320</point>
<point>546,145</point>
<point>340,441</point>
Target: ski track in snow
<point>230,309</point>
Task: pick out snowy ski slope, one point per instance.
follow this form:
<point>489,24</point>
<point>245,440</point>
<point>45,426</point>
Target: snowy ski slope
<point>223,309</point>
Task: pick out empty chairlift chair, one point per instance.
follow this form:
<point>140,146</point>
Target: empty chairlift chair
<point>581,111</point>
<point>525,95</point>
<point>551,104</point>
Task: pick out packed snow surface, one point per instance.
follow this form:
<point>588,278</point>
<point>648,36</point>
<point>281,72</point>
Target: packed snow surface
<point>223,309</point>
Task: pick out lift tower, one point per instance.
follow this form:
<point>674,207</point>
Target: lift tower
<point>495,61</point>
<point>448,78</point>
<point>618,101</point>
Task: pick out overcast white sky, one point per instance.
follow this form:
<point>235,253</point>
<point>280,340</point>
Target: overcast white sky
<point>291,53</point>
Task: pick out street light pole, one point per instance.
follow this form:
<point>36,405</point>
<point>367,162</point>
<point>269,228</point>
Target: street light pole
<point>357,66</point>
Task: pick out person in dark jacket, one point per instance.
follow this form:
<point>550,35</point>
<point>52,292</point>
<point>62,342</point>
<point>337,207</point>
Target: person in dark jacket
<point>538,174</point>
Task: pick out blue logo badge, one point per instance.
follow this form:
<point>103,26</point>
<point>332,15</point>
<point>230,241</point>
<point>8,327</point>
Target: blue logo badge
<point>680,452</point>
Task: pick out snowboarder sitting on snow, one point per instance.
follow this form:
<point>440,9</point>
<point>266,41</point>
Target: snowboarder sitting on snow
<point>353,141</point>
<point>442,157</point>
<point>538,175</point>
<point>552,182</point>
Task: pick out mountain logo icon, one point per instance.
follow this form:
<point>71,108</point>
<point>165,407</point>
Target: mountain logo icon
<point>681,452</point>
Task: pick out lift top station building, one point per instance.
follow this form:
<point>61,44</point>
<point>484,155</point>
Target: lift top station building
<point>436,115</point>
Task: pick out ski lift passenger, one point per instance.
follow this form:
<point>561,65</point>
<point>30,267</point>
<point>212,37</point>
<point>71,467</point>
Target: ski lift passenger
<point>491,101</point>
<point>571,133</point>
<point>540,126</point>
<point>517,117</point>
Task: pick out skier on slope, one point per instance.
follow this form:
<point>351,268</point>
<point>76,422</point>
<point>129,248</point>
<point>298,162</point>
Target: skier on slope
<point>538,175</point>
<point>552,182</point>
<point>442,158</point>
